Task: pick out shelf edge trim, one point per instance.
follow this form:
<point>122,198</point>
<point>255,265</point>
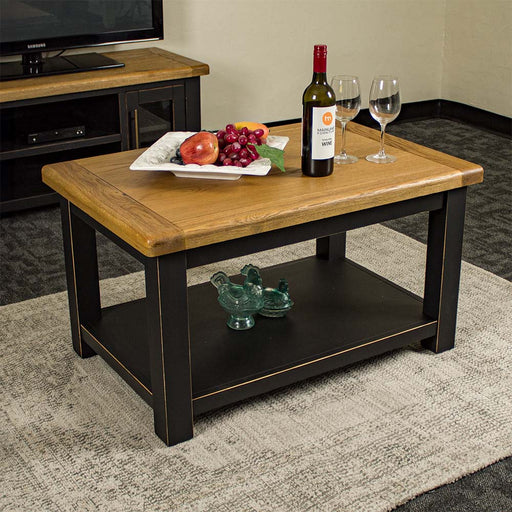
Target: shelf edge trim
<point>433,322</point>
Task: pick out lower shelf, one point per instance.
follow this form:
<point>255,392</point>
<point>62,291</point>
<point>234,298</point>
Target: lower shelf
<point>342,314</point>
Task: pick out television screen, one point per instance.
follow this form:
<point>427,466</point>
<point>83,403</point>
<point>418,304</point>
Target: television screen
<point>32,27</point>
<point>23,20</point>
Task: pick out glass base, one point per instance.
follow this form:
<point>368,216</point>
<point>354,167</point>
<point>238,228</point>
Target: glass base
<point>381,159</point>
<point>240,323</point>
<point>345,159</point>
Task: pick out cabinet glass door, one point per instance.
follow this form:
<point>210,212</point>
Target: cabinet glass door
<point>154,112</point>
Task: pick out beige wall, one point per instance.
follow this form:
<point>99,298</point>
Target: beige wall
<point>477,63</point>
<point>260,53</point>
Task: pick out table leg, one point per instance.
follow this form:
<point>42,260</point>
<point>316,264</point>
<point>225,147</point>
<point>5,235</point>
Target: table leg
<point>169,347</point>
<point>331,247</point>
<point>444,253</point>
<point>81,274</point>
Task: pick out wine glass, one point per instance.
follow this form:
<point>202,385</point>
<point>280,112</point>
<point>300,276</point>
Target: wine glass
<point>384,108</point>
<point>348,103</point>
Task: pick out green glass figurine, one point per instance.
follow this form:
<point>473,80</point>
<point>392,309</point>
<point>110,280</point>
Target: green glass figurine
<point>241,302</point>
<point>276,301</point>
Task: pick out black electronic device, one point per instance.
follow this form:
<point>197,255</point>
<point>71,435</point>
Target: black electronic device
<point>31,27</point>
<point>57,134</point>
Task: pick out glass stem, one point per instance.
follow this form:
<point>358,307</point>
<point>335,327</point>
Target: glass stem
<point>343,153</point>
<point>382,154</point>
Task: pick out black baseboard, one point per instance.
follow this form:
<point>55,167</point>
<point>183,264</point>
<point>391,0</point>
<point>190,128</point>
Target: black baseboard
<point>481,118</point>
<point>437,109</point>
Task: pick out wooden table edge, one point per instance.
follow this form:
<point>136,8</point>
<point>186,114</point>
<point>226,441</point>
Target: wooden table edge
<point>154,235</point>
<point>76,184</point>
<point>323,210</point>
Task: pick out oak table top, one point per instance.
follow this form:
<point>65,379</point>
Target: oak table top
<point>158,213</point>
<point>141,66</point>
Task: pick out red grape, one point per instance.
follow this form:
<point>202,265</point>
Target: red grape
<point>231,137</point>
<point>253,152</point>
<point>237,147</point>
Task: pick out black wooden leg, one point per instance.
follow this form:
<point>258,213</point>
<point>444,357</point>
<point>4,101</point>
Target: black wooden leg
<point>331,247</point>
<point>169,347</point>
<point>444,253</point>
<point>81,274</point>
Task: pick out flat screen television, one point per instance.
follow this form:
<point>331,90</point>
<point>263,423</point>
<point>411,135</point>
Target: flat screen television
<point>32,28</point>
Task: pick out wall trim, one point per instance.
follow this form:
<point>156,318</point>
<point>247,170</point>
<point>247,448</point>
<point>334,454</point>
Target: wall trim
<point>438,109</point>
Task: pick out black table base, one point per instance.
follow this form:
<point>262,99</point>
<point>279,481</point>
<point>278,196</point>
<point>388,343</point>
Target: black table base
<point>174,349</point>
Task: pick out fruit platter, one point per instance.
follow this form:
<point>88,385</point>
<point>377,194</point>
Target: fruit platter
<point>244,148</point>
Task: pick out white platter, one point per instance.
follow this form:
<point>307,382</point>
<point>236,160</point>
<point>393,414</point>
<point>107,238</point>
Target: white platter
<point>157,158</point>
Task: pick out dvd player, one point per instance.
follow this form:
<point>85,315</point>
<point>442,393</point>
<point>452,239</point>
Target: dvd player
<point>57,134</point>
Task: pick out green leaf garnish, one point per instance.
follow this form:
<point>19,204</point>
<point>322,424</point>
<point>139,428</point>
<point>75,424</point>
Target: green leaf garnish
<point>275,155</point>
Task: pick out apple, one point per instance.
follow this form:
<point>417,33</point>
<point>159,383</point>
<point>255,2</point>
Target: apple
<point>202,148</point>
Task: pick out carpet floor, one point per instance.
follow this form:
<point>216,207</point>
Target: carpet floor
<point>488,223</point>
<point>31,265</point>
<point>366,438</point>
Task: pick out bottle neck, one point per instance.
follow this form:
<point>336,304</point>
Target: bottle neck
<point>319,78</point>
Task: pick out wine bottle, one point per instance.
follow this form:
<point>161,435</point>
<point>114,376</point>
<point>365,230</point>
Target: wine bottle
<point>318,119</point>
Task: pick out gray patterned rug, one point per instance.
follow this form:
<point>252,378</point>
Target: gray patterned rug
<point>367,438</point>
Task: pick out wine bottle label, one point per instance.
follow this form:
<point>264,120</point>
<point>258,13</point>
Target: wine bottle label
<point>322,133</point>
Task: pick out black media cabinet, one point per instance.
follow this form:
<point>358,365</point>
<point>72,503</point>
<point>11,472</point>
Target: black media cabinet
<point>68,117</point>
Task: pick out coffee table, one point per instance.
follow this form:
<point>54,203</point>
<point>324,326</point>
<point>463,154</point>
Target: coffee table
<point>173,347</point>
